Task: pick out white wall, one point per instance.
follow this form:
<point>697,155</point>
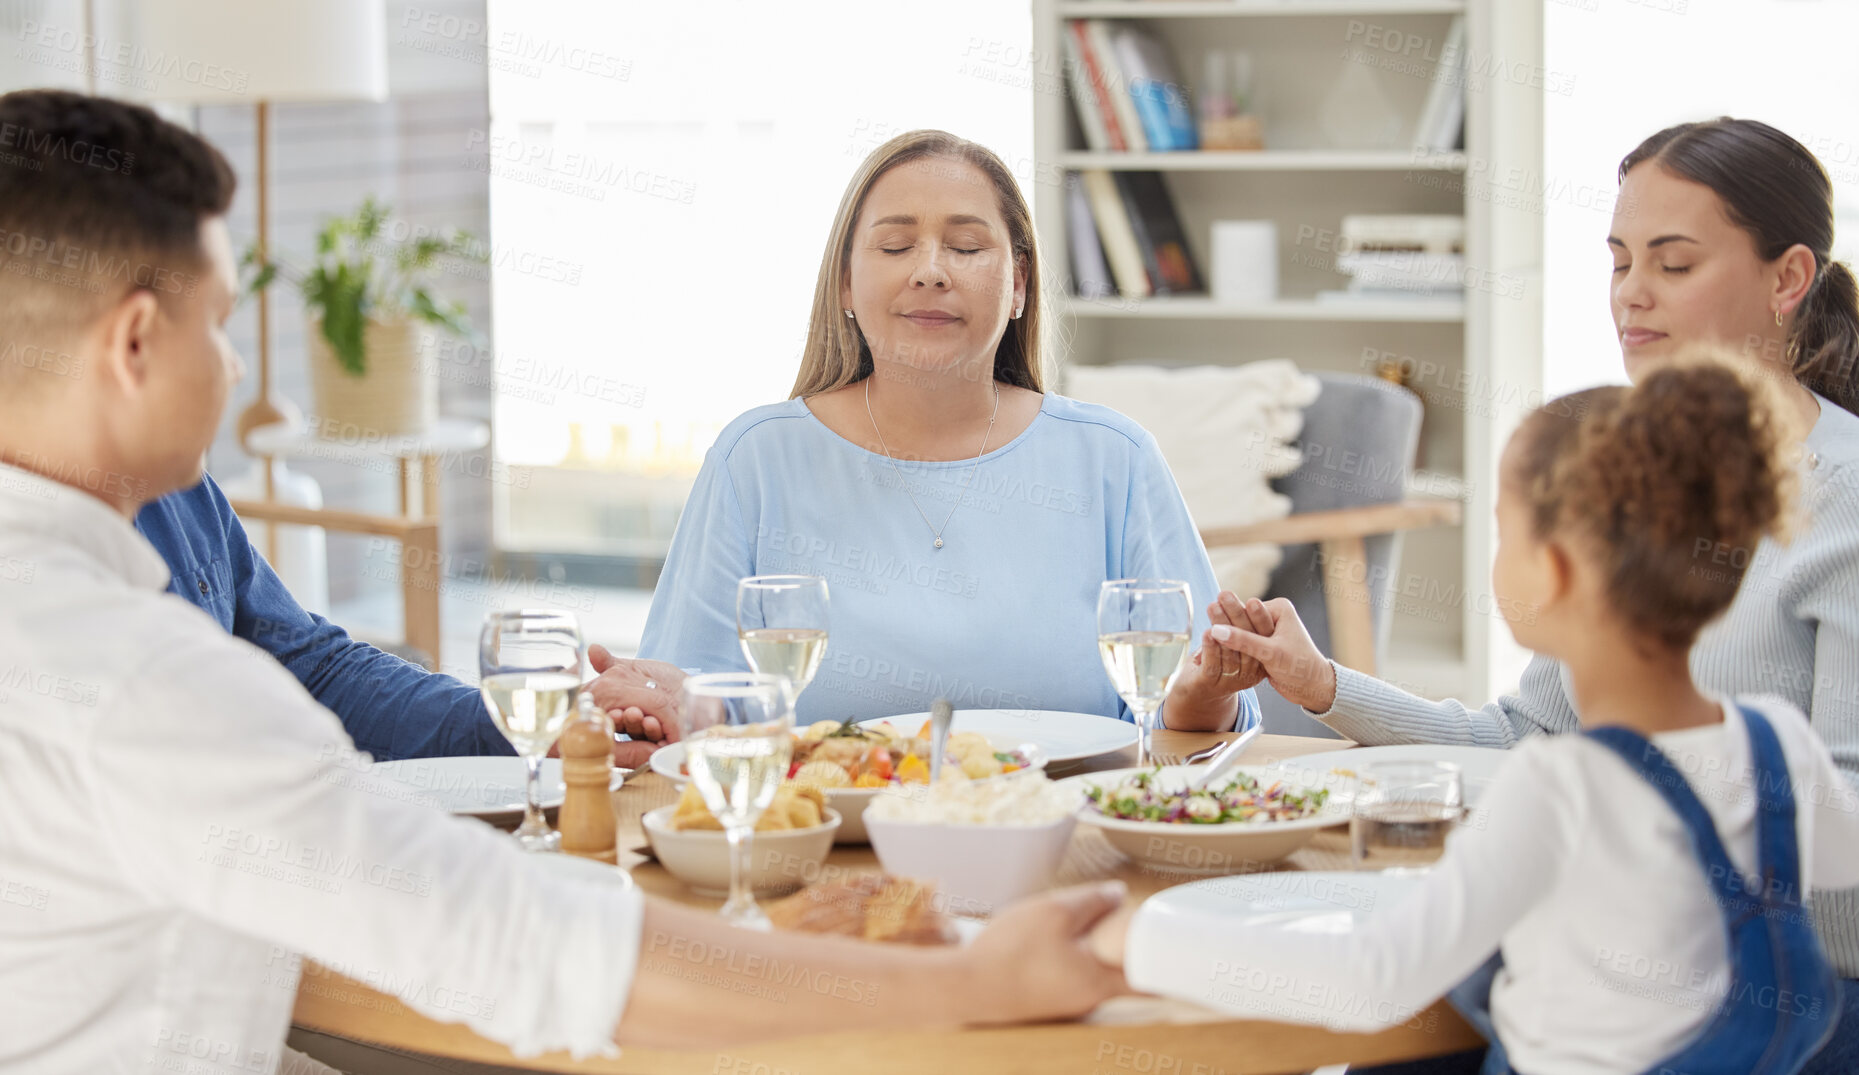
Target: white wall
<point>1636,66</point>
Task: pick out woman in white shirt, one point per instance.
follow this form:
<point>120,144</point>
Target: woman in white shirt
<point>1601,885</point>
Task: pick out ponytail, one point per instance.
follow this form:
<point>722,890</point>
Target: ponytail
<point>1825,341</point>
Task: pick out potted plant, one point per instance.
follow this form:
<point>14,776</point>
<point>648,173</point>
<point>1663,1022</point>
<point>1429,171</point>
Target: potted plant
<point>367,293</point>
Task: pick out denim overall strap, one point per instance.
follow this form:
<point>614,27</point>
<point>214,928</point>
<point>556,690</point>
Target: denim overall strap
<point>1780,1005</point>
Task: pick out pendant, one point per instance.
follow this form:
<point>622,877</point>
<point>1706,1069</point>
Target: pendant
<point>939,543</point>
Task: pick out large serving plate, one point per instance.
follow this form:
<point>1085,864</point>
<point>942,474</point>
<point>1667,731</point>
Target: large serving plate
<point>1229,847</point>
<point>1062,737</point>
<point>668,762</point>
<point>1337,769</point>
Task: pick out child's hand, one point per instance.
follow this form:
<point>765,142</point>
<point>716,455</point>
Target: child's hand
<point>1109,935</point>
<point>1296,668</point>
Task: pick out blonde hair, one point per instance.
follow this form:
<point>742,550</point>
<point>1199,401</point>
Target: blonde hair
<point>836,354</point>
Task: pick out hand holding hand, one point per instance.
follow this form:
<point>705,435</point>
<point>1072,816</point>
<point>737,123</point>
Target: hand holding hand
<point>641,696</point>
<point>1279,642</point>
<point>1035,961</point>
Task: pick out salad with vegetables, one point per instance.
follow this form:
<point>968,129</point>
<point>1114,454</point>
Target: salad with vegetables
<point>831,754</point>
<point>1241,800</point>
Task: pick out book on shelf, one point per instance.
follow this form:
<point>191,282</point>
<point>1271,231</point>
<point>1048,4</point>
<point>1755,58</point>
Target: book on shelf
<point>1346,297</point>
<point>1084,86</point>
<point>1116,233</point>
<point>1156,90</point>
<point>1098,79</point>
<point>1403,270</point>
<point>1090,273</point>
<point>1159,234</point>
<point>1442,120</point>
<point>1100,40</point>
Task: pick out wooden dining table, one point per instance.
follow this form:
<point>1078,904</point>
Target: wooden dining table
<point>1133,1035</point>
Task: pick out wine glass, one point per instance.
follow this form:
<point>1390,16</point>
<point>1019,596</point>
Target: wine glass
<point>529,663</point>
<point>1143,627</point>
<point>782,623</point>
<point>738,738</point>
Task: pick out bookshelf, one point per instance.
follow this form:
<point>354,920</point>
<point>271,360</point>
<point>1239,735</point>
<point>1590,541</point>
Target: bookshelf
<point>1444,639</point>
<point>1308,160</point>
<point>1200,9</point>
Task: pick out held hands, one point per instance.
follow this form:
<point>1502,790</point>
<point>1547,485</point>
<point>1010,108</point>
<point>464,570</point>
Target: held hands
<point>1275,638</point>
<point>1202,699</point>
<point>642,698</point>
<point>1036,961</point>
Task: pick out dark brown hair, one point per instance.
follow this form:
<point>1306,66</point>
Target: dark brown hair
<point>1670,484</point>
<point>837,354</point>
<point>97,197</point>
<point>1778,192</point>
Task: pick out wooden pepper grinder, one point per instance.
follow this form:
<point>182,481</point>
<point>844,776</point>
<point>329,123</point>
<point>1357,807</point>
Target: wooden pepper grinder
<point>586,820</point>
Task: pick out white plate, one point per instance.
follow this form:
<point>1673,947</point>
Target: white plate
<point>1477,765</point>
<point>584,869</point>
<point>668,760</point>
<point>1062,737</point>
<point>476,786</point>
<point>1315,902</point>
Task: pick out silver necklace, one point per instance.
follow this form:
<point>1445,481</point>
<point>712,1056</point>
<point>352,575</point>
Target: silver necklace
<point>934,529</point>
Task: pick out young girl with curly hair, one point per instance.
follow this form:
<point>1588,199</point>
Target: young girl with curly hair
<point>1631,898</point>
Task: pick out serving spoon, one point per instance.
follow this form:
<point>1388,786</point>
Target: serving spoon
<point>1224,761</point>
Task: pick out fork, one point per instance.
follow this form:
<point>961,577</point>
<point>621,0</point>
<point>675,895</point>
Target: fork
<point>1186,759</point>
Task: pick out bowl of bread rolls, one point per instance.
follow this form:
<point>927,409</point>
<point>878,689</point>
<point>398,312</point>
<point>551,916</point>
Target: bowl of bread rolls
<point>791,841</point>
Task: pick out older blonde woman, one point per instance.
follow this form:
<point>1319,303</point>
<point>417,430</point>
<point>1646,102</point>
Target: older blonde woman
<point>963,515</point>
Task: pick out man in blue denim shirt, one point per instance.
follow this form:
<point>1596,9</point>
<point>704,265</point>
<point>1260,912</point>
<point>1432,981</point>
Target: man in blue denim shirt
<point>392,709</point>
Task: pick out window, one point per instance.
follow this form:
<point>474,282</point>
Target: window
<point>663,177</point>
<point>1634,68</point>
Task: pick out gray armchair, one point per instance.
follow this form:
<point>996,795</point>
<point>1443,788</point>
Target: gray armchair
<point>1343,537</point>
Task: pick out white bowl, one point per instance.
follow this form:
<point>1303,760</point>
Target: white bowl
<point>1229,847</point>
<point>779,861</point>
<point>977,869</point>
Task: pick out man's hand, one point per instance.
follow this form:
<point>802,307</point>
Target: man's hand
<point>1278,640</point>
<point>641,696</point>
<point>1034,962</point>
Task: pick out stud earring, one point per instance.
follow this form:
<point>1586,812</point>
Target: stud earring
<point>1017,312</point>
<point>848,313</point>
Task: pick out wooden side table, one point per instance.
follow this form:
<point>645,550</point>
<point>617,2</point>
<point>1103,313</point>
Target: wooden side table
<point>420,457</point>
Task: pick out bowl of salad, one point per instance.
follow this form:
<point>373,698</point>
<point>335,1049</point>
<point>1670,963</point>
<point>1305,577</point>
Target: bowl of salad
<point>1251,817</point>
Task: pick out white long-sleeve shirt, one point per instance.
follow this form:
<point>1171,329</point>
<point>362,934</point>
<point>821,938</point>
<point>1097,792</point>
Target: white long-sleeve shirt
<point>1792,632</point>
<point>181,824</point>
<point>1613,947</point>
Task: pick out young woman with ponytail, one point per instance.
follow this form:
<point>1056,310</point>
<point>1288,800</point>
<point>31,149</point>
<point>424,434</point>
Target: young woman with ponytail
<point>1722,236</point>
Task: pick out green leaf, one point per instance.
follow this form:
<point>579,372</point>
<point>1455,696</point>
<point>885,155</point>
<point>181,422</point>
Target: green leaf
<point>357,274</point>
<point>262,280</point>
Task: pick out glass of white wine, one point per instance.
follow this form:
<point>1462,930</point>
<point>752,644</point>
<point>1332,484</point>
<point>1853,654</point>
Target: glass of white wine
<point>529,664</point>
<point>782,622</point>
<point>738,738</point>
<point>1143,628</point>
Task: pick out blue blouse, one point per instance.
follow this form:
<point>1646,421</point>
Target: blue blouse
<point>1003,616</point>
